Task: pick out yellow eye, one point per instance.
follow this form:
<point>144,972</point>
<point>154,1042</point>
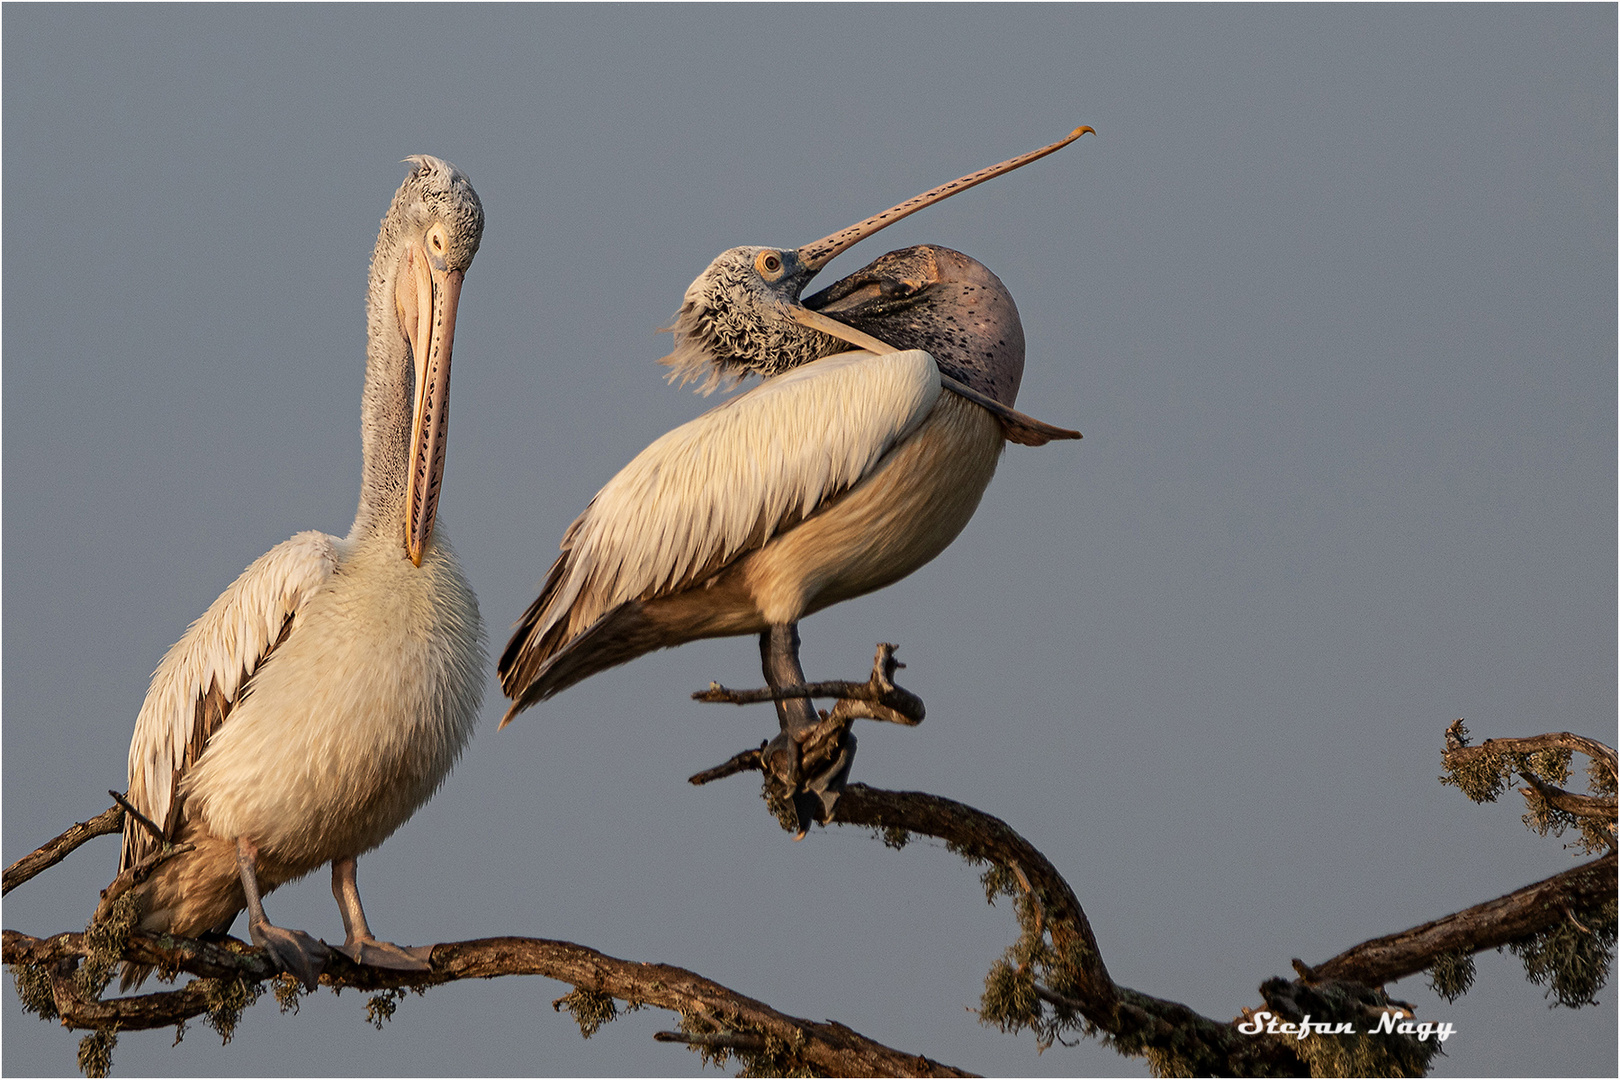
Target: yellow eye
<point>772,263</point>
<point>769,265</point>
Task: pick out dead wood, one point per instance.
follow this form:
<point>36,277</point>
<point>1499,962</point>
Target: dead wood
<point>1057,961</point>
<point>1483,926</point>
<point>1556,740</point>
<point>878,698</point>
<point>1588,806</point>
<point>704,1005</point>
<point>54,851</point>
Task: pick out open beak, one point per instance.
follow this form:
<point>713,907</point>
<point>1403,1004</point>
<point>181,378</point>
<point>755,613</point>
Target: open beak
<point>1016,426</point>
<point>814,256</point>
<point>427,294</point>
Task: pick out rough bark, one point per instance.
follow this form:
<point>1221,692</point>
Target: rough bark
<point>1057,943</point>
<point>1555,740</point>
<point>756,1027</point>
<point>1483,926</point>
<point>49,854</point>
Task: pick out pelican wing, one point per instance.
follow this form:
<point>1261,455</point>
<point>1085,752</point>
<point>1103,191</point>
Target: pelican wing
<point>721,486</point>
<point>207,672</point>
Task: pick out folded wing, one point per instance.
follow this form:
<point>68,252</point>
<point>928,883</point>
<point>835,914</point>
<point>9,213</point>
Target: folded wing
<point>207,672</point>
<point>718,487</point>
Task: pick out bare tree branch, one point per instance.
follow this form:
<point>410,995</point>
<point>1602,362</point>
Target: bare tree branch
<point>54,851</point>
<point>1483,926</point>
<point>986,837</point>
<point>1457,755</point>
<point>1556,740</point>
<point>1153,1023</point>
<point>748,760</point>
<point>1059,966</point>
<point>145,822</point>
<point>878,698</point>
<point>1485,771</point>
<point>722,1039</point>
<point>828,1047</point>
<point>1588,806</point>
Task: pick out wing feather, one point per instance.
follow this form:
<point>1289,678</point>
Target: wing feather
<point>720,486</point>
<point>205,674</point>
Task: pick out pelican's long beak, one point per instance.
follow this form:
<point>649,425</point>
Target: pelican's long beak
<point>814,256</point>
<point>833,328</point>
<point>427,300</point>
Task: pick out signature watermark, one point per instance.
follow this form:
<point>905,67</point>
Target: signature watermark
<point>1391,1023</point>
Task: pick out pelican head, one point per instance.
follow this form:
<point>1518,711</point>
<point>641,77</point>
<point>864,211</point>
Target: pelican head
<point>428,239</point>
<point>736,319</point>
<point>742,316</point>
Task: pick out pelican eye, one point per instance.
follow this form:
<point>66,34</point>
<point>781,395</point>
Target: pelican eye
<point>769,265</point>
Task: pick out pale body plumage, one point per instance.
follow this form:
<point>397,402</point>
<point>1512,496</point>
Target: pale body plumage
<point>325,695</point>
<point>730,479</point>
<point>823,483</point>
<point>840,473</point>
<point>347,727</point>
<point>356,719</point>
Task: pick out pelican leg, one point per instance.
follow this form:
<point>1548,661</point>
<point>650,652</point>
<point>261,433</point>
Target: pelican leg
<point>298,954</point>
<point>358,944</point>
<point>779,656</point>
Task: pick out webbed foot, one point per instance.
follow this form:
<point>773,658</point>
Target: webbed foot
<point>810,767</point>
<point>300,955</point>
<point>807,764</point>
<point>358,943</point>
<point>385,954</point>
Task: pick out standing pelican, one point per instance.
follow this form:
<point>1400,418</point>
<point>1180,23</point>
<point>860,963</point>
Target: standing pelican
<point>326,693</point>
<point>840,473</point>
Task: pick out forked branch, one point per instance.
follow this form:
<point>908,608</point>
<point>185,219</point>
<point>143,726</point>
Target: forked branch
<point>878,698</point>
<point>1059,982</point>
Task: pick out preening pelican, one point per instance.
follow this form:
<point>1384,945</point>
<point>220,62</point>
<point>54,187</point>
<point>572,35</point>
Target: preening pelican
<point>326,693</point>
<point>840,473</point>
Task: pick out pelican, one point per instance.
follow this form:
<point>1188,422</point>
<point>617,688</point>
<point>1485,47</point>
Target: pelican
<point>327,692</point>
<point>841,472</point>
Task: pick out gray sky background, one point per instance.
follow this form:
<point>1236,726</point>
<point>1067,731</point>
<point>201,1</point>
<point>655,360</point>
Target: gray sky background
<point>1331,294</point>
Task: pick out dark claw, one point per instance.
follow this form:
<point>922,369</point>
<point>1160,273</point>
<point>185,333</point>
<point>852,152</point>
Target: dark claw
<point>804,807</point>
